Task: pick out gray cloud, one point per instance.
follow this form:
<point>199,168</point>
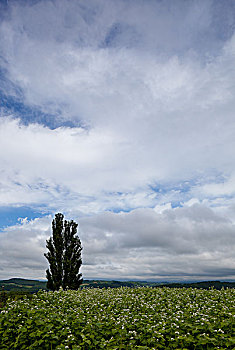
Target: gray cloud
<point>144,244</point>
<point>22,248</point>
<point>159,25</point>
<point>139,244</point>
<point>194,229</point>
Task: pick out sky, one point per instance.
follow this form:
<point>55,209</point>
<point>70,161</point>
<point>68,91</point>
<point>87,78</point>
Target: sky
<point>120,115</point>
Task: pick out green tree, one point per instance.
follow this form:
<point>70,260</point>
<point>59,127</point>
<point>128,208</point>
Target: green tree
<point>64,255</point>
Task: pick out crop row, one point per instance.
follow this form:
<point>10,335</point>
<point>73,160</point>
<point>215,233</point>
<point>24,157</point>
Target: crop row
<point>122,318</point>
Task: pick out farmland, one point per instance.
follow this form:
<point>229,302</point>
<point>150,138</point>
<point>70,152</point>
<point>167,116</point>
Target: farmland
<point>121,318</point>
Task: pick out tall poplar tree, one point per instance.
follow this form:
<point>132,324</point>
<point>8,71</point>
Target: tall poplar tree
<point>64,255</point>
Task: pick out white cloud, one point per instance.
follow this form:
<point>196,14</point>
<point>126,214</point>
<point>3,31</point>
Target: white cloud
<point>221,189</point>
<point>150,88</point>
<point>161,208</point>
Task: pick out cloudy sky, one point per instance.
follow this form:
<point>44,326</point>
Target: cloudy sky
<point>120,115</point>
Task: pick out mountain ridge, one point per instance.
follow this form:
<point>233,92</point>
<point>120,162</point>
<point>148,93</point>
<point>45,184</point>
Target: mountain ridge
<point>33,286</point>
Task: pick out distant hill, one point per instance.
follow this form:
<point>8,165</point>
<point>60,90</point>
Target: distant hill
<point>33,286</point>
<point>21,284</point>
<point>204,285</point>
<point>117,284</point>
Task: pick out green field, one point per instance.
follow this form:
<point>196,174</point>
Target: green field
<point>121,318</point>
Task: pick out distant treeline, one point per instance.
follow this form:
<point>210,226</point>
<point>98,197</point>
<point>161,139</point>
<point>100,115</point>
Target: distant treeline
<point>204,285</point>
<point>31,286</point>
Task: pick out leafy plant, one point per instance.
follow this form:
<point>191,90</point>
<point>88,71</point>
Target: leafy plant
<point>122,318</point>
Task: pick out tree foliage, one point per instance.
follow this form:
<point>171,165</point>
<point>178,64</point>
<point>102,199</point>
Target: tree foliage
<point>64,255</point>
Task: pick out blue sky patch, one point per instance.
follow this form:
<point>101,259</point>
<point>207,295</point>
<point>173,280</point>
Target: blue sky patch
<point>9,216</point>
<point>28,115</point>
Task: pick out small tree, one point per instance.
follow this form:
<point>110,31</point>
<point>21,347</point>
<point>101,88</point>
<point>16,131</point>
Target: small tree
<point>64,255</point>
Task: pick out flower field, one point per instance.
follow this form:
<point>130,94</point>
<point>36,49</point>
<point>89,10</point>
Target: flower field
<point>122,318</point>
